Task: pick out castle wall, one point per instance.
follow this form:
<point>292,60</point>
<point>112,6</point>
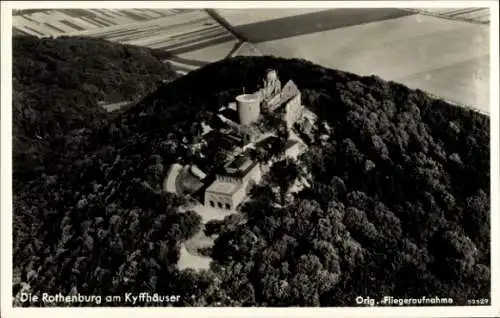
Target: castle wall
<point>294,110</point>
<point>294,151</point>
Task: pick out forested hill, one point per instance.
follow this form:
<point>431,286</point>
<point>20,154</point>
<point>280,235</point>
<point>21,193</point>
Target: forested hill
<point>58,84</point>
<point>398,203</point>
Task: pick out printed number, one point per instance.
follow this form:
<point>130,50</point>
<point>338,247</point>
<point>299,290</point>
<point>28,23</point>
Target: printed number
<point>483,301</point>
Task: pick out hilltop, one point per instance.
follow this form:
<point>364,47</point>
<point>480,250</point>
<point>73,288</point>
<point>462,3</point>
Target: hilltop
<point>60,84</point>
<point>398,202</point>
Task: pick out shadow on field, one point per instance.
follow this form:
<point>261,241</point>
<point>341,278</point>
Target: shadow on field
<point>191,62</point>
<point>197,44</point>
<point>315,22</point>
<point>171,53</point>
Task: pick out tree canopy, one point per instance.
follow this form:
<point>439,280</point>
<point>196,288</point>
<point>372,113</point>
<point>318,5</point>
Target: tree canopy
<point>59,86</point>
<point>398,202</point>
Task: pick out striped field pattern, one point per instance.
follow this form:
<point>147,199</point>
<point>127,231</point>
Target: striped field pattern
<point>44,23</point>
<point>474,15</point>
<point>191,37</point>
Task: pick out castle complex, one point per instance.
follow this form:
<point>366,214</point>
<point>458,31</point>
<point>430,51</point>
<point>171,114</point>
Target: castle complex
<point>242,117</point>
<point>230,187</point>
<point>241,127</point>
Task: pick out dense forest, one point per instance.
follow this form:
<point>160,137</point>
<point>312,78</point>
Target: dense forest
<point>59,84</point>
<point>399,201</point>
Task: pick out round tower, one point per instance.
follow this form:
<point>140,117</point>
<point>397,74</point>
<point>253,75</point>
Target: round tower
<point>248,108</point>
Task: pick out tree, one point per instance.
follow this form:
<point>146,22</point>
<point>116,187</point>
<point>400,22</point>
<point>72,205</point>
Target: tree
<point>213,227</point>
<point>190,223</point>
<point>283,173</point>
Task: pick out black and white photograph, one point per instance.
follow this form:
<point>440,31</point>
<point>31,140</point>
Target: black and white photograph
<point>257,155</point>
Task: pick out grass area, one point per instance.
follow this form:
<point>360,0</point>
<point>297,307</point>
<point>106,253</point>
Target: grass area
<point>208,213</point>
<point>199,241</point>
<point>187,260</point>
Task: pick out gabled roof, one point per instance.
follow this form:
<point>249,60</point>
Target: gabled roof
<point>290,143</point>
<point>289,91</point>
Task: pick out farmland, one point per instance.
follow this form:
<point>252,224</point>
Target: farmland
<point>191,38</point>
<point>448,58</point>
<point>67,21</point>
<point>474,15</point>
<point>442,51</point>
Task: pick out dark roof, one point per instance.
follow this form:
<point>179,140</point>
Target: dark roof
<point>230,114</point>
<point>238,168</point>
<point>238,162</point>
<point>212,134</point>
<point>234,138</point>
<point>200,193</point>
<point>221,140</point>
<point>290,143</point>
<point>267,142</point>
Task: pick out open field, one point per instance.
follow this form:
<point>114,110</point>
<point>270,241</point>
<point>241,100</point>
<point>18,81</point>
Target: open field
<point>190,252</point>
<point>291,25</point>
<point>188,260</point>
<point>475,15</point>
<point>238,17</point>
<point>192,38</point>
<point>199,241</point>
<point>447,57</point>
<point>189,256</point>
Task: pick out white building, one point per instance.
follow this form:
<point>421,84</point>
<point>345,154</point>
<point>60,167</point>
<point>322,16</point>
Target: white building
<point>230,188</point>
